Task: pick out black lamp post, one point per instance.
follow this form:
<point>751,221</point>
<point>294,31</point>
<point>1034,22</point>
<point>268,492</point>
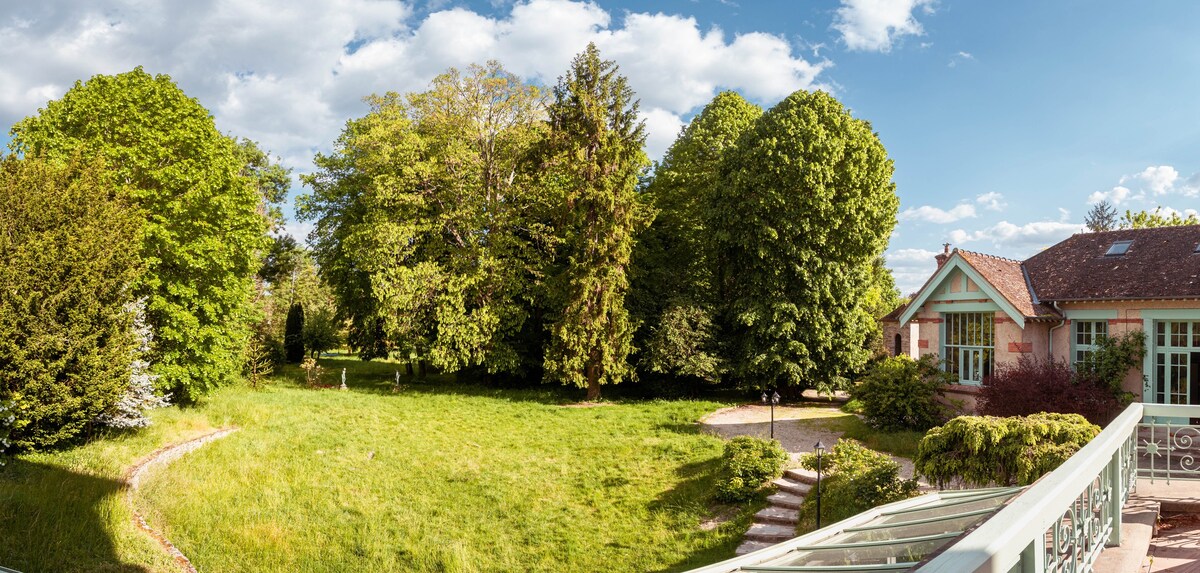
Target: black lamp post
<point>819,448</point>
<point>773,400</point>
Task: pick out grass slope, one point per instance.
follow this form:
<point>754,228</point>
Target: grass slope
<point>437,477</point>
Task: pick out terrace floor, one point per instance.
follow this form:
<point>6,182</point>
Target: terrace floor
<point>1176,546</point>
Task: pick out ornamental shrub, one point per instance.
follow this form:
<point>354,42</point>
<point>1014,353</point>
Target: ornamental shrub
<point>900,393</point>
<point>1030,385</point>
<point>987,450</point>
<point>1113,358</point>
<point>747,464</point>
<point>856,479</point>
<point>68,256</point>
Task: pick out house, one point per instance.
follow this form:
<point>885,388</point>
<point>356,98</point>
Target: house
<point>980,310</point>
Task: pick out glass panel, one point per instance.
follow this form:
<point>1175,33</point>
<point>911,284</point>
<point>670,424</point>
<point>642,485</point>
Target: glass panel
<point>1196,335</point>
<point>1179,334</point>
<point>942,510</point>
<point>1101,329</point>
<point>872,555</point>
<point>1159,331</point>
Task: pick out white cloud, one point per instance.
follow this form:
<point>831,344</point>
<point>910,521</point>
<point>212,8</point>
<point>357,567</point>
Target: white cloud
<point>289,74</point>
<point>875,25</point>
<point>1018,241</point>
<point>960,57</point>
<point>911,267</point>
<point>931,214</point>
<point>992,201</point>
<point>1116,195</point>
<point>1159,179</point>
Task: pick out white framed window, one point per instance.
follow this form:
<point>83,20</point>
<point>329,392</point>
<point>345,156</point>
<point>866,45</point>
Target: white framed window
<point>969,347</point>
<point>1088,334</point>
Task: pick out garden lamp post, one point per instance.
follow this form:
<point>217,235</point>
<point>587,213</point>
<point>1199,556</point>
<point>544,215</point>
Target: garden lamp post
<point>819,448</point>
<point>772,400</point>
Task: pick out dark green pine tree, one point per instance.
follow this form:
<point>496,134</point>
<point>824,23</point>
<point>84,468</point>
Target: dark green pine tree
<point>593,157</point>
<point>805,210</point>
<point>293,334</point>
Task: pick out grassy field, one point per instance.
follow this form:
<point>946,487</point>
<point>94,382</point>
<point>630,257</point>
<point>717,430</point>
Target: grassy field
<point>435,477</point>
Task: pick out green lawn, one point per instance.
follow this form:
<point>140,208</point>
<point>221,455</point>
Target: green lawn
<point>436,477</point>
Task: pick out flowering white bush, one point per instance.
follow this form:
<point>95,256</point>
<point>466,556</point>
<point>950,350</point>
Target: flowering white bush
<point>130,411</point>
<point>6,420</point>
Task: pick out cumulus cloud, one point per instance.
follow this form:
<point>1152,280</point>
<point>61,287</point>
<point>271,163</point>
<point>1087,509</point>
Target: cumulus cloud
<point>875,25</point>
<point>932,214</point>
<point>1149,185</point>
<point>1116,195</point>
<point>1158,179</point>
<point>911,267</point>
<point>1018,240</point>
<point>289,74</point>
<point>992,201</point>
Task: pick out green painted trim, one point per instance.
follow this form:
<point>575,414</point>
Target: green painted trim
<point>1091,314</point>
<point>940,306</point>
<point>880,543</point>
<point>1171,314</point>
<point>956,262</point>
<point>944,296</point>
<point>952,501</point>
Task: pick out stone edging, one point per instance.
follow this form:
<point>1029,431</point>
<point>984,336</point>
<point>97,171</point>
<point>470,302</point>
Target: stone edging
<point>162,457</point>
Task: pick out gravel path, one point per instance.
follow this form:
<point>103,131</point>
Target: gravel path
<point>164,456</point>
<point>797,429</point>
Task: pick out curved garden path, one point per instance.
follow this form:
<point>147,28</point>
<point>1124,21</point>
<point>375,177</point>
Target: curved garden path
<point>162,457</point>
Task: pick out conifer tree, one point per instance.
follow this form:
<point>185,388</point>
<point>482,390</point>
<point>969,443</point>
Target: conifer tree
<point>293,337</point>
<point>593,158</point>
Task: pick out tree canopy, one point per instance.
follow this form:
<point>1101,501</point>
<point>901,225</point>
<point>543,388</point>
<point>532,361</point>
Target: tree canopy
<point>1156,218</point>
<point>201,204</point>
<point>1101,217</point>
<point>806,207</point>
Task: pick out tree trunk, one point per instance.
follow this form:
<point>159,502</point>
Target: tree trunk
<point>421,367</point>
<point>593,378</point>
<point>408,368</point>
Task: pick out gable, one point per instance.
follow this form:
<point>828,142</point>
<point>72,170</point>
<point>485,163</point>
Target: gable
<point>957,286</point>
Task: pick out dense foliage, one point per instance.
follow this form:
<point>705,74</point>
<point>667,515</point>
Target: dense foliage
<point>66,267</point>
<point>805,208</point>
<point>1030,385</point>
<point>747,464</point>
<point>673,290</point>
<point>293,334</point>
<point>855,479</point>
<point>1101,217</point>
<point>202,227</point>
<point>900,393</point>
<point>1157,218</point>
<point>1113,358</point>
<point>986,450</point>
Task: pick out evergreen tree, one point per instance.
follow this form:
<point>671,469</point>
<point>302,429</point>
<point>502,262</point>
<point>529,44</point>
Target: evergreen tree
<point>592,160</point>
<point>204,216</point>
<point>293,338</point>
<point>673,293</point>
<point>1102,217</point>
<point>805,210</point>
<point>67,257</point>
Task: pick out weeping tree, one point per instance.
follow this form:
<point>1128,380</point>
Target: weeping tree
<point>805,209</point>
<point>591,161</point>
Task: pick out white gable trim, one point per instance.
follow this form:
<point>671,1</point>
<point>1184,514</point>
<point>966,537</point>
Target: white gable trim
<point>956,262</point>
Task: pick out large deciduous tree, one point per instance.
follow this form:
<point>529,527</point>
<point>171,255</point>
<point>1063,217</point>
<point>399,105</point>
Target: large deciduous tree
<point>1156,218</point>
<point>592,160</point>
<point>423,209</point>
<point>673,293</point>
<point>805,209</point>
<point>68,258</point>
<point>203,226</point>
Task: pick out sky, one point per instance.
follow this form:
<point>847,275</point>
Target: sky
<point>1006,121</point>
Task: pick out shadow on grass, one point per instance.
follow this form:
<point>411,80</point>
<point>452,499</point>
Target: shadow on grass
<point>694,495</point>
<point>54,520</point>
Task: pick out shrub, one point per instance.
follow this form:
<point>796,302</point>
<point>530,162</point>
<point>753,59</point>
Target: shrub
<point>140,394</point>
<point>855,480</point>
<point>67,260</point>
<point>987,450</point>
<point>746,465</point>
<point>6,420</point>
<point>1030,386</point>
<point>312,371</point>
<point>1113,357</point>
<point>900,393</point>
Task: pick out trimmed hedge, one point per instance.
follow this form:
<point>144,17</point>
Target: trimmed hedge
<point>987,450</point>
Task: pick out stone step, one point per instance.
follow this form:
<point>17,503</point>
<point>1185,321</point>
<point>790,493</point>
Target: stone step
<point>770,532</point>
<point>801,475</point>
<point>779,515</point>
<point>751,546</point>
<point>784,499</point>
<point>793,487</point>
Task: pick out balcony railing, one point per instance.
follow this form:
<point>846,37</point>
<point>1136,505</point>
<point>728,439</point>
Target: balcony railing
<point>1064,521</point>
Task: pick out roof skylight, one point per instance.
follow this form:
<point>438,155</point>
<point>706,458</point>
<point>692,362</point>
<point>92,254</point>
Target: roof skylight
<point>1118,248</point>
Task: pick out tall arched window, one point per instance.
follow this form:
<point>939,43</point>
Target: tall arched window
<point>897,352</point>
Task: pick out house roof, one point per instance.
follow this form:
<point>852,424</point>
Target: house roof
<point>1008,278</point>
<point>1160,263</point>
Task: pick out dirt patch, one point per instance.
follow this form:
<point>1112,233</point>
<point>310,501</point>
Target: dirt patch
<point>721,514</point>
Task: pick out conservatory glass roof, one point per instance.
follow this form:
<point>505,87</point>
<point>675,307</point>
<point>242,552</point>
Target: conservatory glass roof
<point>893,537</point>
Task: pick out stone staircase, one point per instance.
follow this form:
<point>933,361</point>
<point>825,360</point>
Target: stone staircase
<point>777,522</point>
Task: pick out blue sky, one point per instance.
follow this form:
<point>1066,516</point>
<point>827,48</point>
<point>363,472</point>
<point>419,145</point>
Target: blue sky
<point>1005,120</point>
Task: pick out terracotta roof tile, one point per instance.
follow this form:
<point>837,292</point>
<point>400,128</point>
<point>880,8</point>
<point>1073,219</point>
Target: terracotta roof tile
<point>1008,278</point>
<point>1161,263</point>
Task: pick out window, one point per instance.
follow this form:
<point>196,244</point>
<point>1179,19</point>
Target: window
<point>1118,248</point>
<point>969,345</point>
<point>1088,334</point>
<point>899,341</point>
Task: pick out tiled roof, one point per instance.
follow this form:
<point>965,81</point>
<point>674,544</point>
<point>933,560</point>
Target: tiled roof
<point>1161,263</point>
<point>1008,278</point>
